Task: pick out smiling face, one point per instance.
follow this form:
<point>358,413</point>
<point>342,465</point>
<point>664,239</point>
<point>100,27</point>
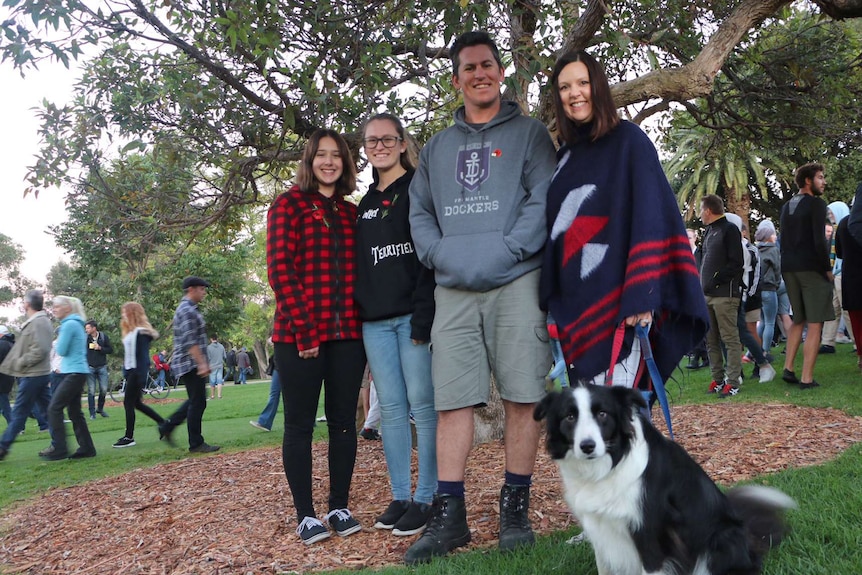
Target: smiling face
<point>479,78</point>
<point>327,166</point>
<point>575,93</point>
<point>381,157</point>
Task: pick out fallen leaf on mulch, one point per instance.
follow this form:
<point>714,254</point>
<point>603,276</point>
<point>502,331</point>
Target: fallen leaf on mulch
<point>232,513</point>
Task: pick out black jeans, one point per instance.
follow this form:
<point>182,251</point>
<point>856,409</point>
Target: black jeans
<point>339,367</point>
<point>192,410</point>
<point>132,400</point>
<point>68,395</point>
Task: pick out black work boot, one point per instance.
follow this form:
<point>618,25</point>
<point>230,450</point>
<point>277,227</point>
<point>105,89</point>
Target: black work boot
<point>446,530</point>
<point>515,528</point>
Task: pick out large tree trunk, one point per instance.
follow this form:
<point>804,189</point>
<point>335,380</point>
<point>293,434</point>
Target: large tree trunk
<point>489,420</point>
<point>740,204</point>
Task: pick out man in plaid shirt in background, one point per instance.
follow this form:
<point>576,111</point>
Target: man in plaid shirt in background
<point>190,365</point>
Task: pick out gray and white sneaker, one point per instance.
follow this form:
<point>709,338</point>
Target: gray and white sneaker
<point>342,522</point>
<point>311,530</point>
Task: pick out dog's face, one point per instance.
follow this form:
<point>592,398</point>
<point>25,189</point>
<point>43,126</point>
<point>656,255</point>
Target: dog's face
<point>589,422</point>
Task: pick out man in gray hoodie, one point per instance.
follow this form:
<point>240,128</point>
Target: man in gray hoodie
<point>29,361</point>
<point>477,216</point>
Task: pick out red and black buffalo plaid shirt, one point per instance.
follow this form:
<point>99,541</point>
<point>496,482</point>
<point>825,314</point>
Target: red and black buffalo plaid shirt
<point>311,264</point>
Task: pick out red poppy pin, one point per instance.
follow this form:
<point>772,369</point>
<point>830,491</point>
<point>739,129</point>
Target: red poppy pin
<point>497,153</point>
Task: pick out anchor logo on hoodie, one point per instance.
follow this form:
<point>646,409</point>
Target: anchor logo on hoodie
<point>473,165</point>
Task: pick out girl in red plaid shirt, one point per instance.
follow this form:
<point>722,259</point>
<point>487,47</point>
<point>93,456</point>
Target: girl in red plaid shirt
<point>311,263</point>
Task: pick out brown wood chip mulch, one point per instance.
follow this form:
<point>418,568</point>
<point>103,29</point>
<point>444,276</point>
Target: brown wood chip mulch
<point>232,512</point>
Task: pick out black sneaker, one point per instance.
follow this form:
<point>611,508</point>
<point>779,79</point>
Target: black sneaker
<point>446,530</point>
<point>826,349</point>
<point>789,377</point>
<point>204,448</point>
<point>343,522</point>
<point>811,385</point>
<point>414,520</point>
<point>370,434</point>
<point>515,528</point>
<point>166,429</point>
<point>311,530</point>
<point>392,514</point>
<point>124,442</point>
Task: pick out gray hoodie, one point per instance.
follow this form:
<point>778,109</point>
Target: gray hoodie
<point>477,201</point>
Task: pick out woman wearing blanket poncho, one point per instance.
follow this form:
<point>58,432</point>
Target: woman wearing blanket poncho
<point>617,252</point>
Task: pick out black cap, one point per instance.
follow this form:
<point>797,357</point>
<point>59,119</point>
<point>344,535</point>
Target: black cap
<point>193,281</point>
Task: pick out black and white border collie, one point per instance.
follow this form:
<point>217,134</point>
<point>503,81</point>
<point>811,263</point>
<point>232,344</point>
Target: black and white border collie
<point>645,505</point>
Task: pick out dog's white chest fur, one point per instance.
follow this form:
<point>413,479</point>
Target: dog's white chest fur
<point>606,499</point>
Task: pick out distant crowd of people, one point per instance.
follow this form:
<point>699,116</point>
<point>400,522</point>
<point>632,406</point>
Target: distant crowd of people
<point>478,245</point>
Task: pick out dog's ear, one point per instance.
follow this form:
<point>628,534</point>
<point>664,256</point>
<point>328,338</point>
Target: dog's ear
<point>629,397</point>
<point>541,409</point>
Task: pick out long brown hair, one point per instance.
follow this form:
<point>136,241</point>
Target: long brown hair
<point>409,159</point>
<point>305,179</point>
<point>135,317</point>
<point>605,116</point>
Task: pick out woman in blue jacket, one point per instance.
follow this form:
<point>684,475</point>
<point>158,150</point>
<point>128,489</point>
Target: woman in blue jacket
<point>138,334</point>
<point>72,349</point>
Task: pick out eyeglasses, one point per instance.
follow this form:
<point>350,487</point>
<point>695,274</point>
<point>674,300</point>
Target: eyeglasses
<point>388,141</point>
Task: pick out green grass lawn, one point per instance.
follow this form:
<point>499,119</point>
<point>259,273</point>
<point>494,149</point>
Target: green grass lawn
<point>24,474</point>
<point>826,536</point>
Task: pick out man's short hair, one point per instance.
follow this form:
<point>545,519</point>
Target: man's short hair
<point>92,323</point>
<point>714,204</point>
<point>468,39</point>
<point>806,172</point>
<point>35,299</point>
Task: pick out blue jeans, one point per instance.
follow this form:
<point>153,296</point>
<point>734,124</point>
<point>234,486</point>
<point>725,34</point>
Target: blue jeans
<point>31,391</point>
<point>99,374</point>
<point>768,314</point>
<point>5,408</point>
<point>402,377</point>
<point>267,416</point>
<point>747,339</point>
<point>240,375</point>
<point>160,380</point>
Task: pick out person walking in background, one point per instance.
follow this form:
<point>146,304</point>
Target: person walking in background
<point>230,365</point>
<point>721,278</point>
<point>836,211</point>
<point>806,270</point>
<point>190,367</point>
<point>137,334</point>
<point>481,229</point>
<point>98,349</point>
<point>849,248</point>
<point>243,366</point>
<point>770,280</point>
<point>72,348</point>
<point>395,293</point>
<point>29,361</point>
<point>160,362</point>
<point>267,416</point>
<point>637,267</point>
<point>7,340</point>
<point>750,291</point>
<point>311,265</point>
<point>216,357</point>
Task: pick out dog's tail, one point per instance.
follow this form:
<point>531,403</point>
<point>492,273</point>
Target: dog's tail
<point>762,510</point>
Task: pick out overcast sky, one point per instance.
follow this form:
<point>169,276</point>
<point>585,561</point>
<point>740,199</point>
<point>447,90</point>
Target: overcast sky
<point>26,220</point>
